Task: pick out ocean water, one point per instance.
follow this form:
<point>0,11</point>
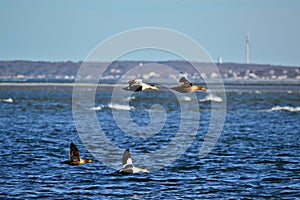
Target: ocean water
<point>257,155</point>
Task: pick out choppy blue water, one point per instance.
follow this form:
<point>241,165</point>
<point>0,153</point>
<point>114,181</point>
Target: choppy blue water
<point>257,155</point>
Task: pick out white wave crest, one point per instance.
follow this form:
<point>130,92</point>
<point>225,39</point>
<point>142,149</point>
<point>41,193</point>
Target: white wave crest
<point>96,108</point>
<point>120,107</point>
<point>9,100</point>
<point>285,108</point>
<point>211,97</point>
<point>129,98</point>
<point>185,98</point>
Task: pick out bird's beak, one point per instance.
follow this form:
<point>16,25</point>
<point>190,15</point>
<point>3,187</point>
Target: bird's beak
<point>154,87</point>
<point>202,88</point>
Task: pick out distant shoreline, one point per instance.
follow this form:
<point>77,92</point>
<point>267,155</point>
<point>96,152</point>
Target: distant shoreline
<point>230,72</point>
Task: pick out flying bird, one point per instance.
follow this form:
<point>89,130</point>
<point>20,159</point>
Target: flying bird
<point>128,167</point>
<point>186,86</point>
<point>137,85</point>
<point>74,157</point>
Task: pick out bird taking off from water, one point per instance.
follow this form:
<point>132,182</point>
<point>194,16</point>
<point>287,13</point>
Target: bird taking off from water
<point>128,167</point>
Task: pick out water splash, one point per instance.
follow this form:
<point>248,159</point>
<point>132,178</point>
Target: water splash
<point>9,100</point>
<point>284,108</point>
<point>211,97</point>
<point>120,107</point>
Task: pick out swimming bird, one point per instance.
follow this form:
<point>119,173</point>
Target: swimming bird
<point>137,85</point>
<point>74,157</point>
<point>186,86</point>
<point>128,167</point>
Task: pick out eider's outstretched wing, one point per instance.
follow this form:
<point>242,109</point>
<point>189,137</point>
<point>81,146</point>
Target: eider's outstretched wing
<point>126,156</point>
<point>74,152</point>
<point>135,82</point>
<point>183,82</point>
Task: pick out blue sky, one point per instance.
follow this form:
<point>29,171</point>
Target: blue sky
<point>61,30</point>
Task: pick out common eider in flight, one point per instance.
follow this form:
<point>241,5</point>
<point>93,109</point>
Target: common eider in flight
<point>137,85</point>
<point>186,86</point>
<point>74,157</point>
<point>128,167</point>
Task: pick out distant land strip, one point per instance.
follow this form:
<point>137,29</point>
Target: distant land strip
<point>68,70</point>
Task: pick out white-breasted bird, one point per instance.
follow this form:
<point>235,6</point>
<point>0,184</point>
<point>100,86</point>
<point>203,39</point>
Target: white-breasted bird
<point>128,167</point>
<point>137,85</point>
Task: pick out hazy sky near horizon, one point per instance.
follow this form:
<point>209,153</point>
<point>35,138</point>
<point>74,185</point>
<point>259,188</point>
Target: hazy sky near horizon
<point>62,30</point>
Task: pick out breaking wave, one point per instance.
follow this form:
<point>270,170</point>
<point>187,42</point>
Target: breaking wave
<point>9,100</point>
<point>284,108</point>
<point>211,97</point>
<point>96,108</point>
<point>185,98</point>
<point>129,98</point>
<point>120,107</point>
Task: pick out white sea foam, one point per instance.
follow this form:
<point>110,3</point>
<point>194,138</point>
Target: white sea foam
<point>129,98</point>
<point>185,98</point>
<point>9,100</point>
<point>120,107</point>
<point>284,108</point>
<point>211,97</point>
<point>96,108</point>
